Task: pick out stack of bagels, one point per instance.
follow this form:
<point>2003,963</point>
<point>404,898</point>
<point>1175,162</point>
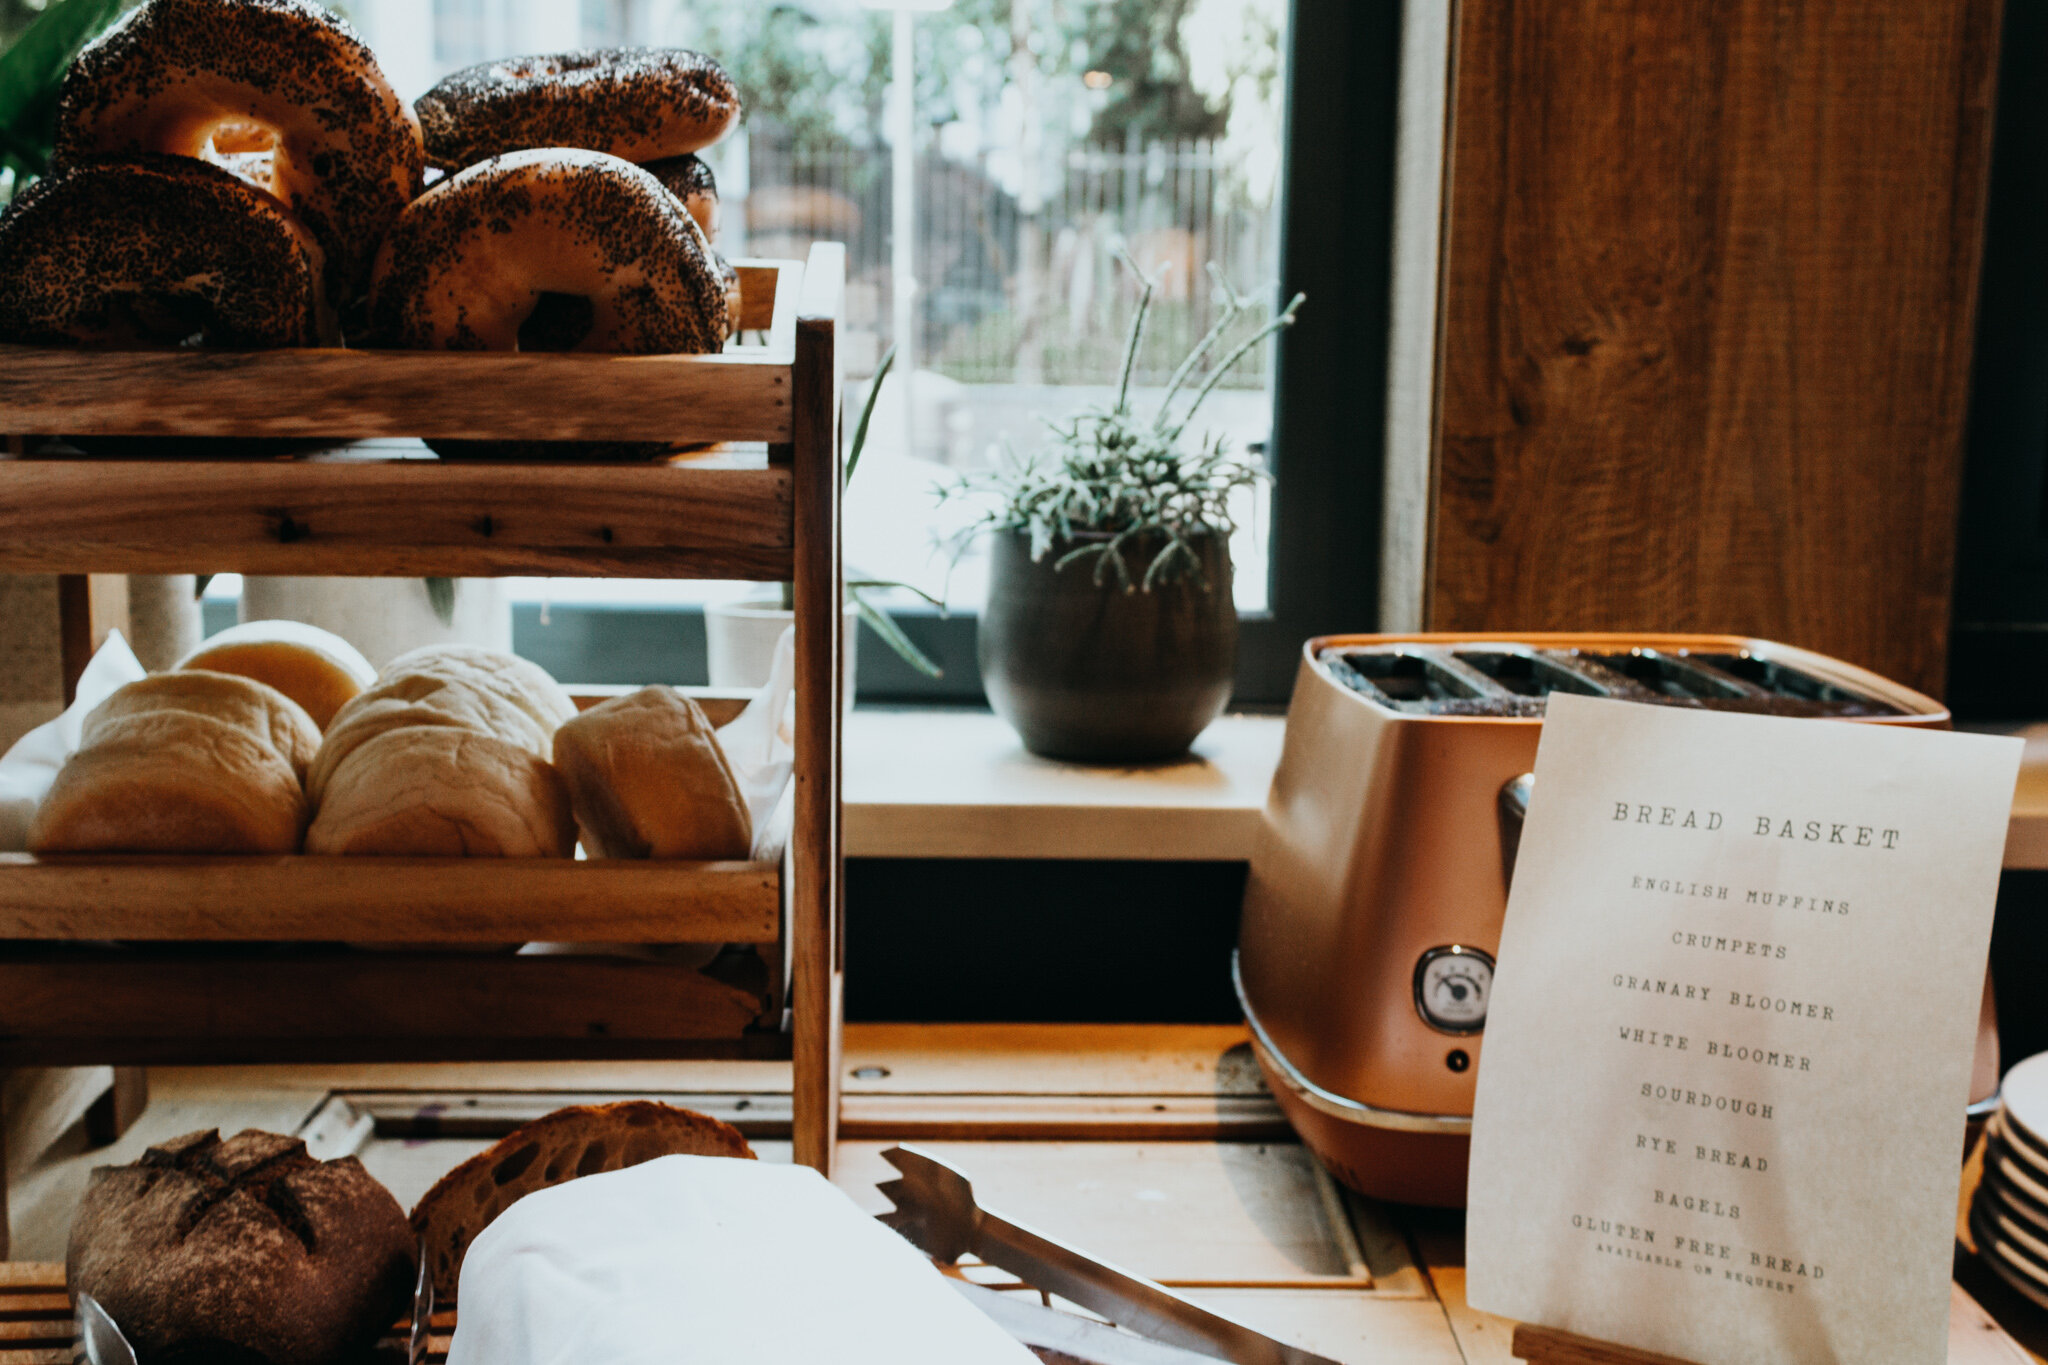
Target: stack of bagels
<point>239,173</point>
<point>276,736</point>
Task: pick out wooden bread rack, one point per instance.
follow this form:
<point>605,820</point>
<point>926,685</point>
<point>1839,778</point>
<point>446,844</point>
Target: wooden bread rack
<point>189,987</point>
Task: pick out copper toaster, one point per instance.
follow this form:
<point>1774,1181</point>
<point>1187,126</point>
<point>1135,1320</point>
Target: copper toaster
<point>1378,881</point>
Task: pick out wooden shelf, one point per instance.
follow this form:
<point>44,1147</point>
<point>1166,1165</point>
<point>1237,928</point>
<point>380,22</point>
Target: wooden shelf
<point>414,900</point>
<point>745,393</point>
<point>82,1007</point>
<point>380,510</point>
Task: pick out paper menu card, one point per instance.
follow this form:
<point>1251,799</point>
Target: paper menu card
<point>1719,1114</point>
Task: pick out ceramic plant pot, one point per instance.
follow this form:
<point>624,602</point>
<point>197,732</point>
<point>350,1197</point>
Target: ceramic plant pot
<point>740,639</point>
<point>1098,674</point>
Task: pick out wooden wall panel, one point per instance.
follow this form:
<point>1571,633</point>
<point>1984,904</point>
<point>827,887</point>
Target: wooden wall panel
<point>1709,283</point>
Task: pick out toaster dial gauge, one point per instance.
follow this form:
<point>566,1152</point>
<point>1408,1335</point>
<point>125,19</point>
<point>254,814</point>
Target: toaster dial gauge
<point>1452,987</point>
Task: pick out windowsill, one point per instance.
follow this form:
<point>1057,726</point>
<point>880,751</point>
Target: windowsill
<point>927,783</point>
<point>936,783</point>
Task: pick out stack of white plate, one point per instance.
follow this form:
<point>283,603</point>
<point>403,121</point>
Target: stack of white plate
<point>2009,1217</point>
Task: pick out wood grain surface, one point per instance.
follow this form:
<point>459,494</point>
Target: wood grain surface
<point>1709,291</point>
<point>395,516</point>
<point>149,1007</point>
<point>742,394</point>
<point>414,900</point>
<point>816,868</point>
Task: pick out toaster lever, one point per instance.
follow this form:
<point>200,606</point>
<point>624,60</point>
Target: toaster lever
<point>1514,808</point>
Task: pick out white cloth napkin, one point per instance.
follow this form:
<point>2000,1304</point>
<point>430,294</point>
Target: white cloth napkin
<point>712,1259</point>
<point>28,769</point>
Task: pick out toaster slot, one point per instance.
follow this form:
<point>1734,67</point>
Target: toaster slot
<point>1530,675</point>
<point>1405,682</point>
<point>1675,678</point>
<point>1782,680</point>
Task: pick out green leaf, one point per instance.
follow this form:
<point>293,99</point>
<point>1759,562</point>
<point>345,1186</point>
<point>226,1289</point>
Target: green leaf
<point>441,596</point>
<point>32,70</point>
<point>893,636</point>
<point>856,584</point>
<point>867,412</point>
<point>199,582</point>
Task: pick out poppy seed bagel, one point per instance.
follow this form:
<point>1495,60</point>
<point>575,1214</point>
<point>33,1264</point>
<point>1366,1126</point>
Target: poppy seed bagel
<point>641,104</point>
<point>347,156</point>
<point>552,249</point>
<point>155,251</point>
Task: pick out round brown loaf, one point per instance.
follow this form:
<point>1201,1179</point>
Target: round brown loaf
<point>259,710</point>
<point>432,791</point>
<point>642,104</point>
<point>647,777</point>
<point>244,1250</point>
<point>581,1140</point>
<point>153,252</point>
<point>171,782</point>
<point>315,668</point>
<point>347,156</point>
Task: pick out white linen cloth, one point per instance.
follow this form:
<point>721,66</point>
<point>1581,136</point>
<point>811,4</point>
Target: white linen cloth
<point>715,1260</point>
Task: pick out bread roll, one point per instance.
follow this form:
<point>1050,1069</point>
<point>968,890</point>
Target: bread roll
<point>583,1139</point>
<point>449,697</point>
<point>648,779</point>
<point>315,668</point>
<point>440,791</point>
<point>267,714</point>
<point>171,782</point>
<point>518,680</point>
<point>247,1250</point>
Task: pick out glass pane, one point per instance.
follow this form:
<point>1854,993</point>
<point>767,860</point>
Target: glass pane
<point>1044,136</point>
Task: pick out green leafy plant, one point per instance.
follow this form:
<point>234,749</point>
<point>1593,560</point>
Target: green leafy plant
<point>31,73</point>
<point>1114,487</point>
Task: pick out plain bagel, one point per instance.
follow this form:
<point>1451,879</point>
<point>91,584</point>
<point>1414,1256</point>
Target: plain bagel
<point>153,253</point>
<point>641,104</point>
<point>178,73</point>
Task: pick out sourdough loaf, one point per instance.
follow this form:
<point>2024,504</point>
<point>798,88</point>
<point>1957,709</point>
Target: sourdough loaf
<point>245,1250</point>
<point>580,1140</point>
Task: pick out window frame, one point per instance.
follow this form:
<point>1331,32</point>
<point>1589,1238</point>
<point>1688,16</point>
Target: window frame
<point>1329,397</point>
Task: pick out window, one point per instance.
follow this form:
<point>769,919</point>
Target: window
<point>1043,136</point>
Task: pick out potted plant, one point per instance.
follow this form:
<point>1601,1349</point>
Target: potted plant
<point>740,636</point>
<point>1110,632</point>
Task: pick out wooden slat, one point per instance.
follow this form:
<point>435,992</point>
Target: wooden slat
<point>1706,326</point>
<point>150,1006</point>
<point>393,516</point>
<point>356,394</point>
<point>1547,1346</point>
<point>816,870</point>
<point>31,1276</point>
<point>414,900</point>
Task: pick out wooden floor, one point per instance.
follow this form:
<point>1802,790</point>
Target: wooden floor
<point>1214,1199</point>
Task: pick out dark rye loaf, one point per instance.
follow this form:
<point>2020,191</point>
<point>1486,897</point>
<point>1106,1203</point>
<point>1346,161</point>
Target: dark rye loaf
<point>246,1250</point>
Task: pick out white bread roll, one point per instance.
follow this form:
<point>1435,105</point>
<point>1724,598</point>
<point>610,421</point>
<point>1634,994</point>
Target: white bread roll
<point>263,712</point>
<point>448,698</point>
<point>442,791</point>
<point>648,778</point>
<point>171,781</point>
<point>520,681</point>
<point>315,668</point>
